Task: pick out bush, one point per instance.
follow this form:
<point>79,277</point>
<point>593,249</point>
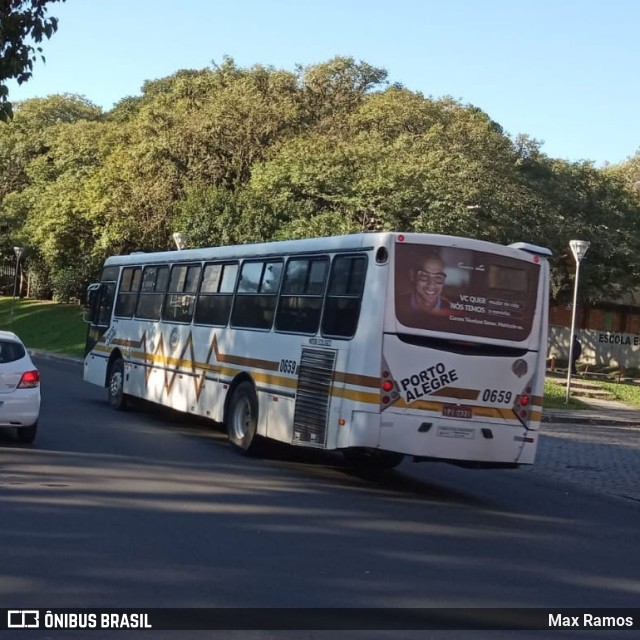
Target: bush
<point>68,284</point>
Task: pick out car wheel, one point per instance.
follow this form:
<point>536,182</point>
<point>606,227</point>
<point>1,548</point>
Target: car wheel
<point>242,419</point>
<point>26,435</point>
<point>115,386</point>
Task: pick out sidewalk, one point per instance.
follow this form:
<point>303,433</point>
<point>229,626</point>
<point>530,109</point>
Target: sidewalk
<point>602,412</point>
<point>597,449</point>
<point>603,409</point>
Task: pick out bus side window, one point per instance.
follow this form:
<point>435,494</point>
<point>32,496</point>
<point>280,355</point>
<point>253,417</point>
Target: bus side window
<point>216,294</point>
<point>300,303</point>
<point>181,295</point>
<point>128,292</point>
<point>344,295</point>
<point>255,302</point>
<point>152,290</point>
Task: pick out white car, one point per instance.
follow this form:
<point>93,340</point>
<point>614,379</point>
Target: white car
<point>19,388</point>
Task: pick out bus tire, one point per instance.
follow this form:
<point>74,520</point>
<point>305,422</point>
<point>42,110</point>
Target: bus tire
<point>242,419</point>
<point>115,386</point>
<point>372,459</point>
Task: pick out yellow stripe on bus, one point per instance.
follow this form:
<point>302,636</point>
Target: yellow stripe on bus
<point>479,412</point>
<point>358,396</point>
<point>425,405</point>
<point>189,366</point>
<point>101,349</point>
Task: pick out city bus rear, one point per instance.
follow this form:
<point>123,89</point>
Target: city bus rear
<point>464,350</point>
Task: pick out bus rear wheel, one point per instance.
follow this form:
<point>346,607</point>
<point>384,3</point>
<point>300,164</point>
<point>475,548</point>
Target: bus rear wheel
<point>115,386</point>
<point>242,419</point>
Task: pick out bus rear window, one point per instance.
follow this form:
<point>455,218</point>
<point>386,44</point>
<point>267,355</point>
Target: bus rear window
<point>466,292</point>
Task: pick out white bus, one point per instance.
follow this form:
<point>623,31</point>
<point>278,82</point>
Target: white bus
<point>381,345</point>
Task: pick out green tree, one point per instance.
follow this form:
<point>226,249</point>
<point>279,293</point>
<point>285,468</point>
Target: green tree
<point>629,172</point>
<point>215,216</point>
<point>23,23</point>
<point>227,119</point>
<point>56,143</point>
<point>591,204</point>
<point>233,155</point>
<point>400,161</point>
<point>27,136</point>
<point>333,89</point>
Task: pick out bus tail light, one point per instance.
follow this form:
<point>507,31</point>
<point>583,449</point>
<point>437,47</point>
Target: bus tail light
<point>522,406</point>
<point>388,387</point>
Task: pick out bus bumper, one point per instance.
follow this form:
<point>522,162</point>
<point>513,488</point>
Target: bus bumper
<point>436,437</point>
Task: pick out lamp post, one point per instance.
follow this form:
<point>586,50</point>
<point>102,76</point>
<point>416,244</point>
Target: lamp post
<point>579,249</point>
<point>18,251</point>
<point>475,211</point>
<point>180,239</point>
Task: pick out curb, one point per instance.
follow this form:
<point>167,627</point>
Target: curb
<point>48,355</point>
<point>589,417</point>
<point>590,420</point>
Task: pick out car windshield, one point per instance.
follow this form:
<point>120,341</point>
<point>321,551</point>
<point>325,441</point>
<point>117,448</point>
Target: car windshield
<point>10,351</point>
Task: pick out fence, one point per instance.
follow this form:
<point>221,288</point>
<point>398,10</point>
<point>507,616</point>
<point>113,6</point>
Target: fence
<point>7,279</point>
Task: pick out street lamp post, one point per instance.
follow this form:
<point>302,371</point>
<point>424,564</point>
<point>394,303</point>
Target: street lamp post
<point>181,240</point>
<point>476,212</point>
<point>579,249</point>
<point>18,251</point>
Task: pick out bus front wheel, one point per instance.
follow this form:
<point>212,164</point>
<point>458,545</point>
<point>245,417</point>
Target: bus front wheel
<point>242,419</point>
<point>115,386</point>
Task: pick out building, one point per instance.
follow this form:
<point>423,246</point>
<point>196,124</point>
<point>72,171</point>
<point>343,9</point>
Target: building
<point>609,332</point>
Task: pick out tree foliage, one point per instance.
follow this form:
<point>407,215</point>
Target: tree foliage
<point>23,23</point>
<point>233,155</point>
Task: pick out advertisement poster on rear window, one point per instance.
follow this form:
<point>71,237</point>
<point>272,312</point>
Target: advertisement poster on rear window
<point>466,292</point>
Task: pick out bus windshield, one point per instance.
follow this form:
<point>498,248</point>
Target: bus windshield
<point>464,291</point>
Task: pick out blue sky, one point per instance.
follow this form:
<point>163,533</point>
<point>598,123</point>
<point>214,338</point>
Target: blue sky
<point>562,71</point>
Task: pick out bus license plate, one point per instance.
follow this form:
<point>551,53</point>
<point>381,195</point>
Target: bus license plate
<point>457,411</point>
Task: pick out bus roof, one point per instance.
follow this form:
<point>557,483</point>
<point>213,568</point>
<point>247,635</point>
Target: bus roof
<point>349,242</point>
<point>532,248</point>
<point>335,243</point>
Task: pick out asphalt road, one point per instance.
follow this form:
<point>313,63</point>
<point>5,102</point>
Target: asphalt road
<point>153,509</point>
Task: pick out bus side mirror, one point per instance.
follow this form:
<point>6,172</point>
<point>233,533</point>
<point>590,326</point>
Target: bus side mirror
<point>92,303</point>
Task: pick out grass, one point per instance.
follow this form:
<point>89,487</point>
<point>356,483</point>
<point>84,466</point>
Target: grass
<point>48,326</point>
<point>554,393</point>
<point>624,392</point>
<point>554,397</point>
